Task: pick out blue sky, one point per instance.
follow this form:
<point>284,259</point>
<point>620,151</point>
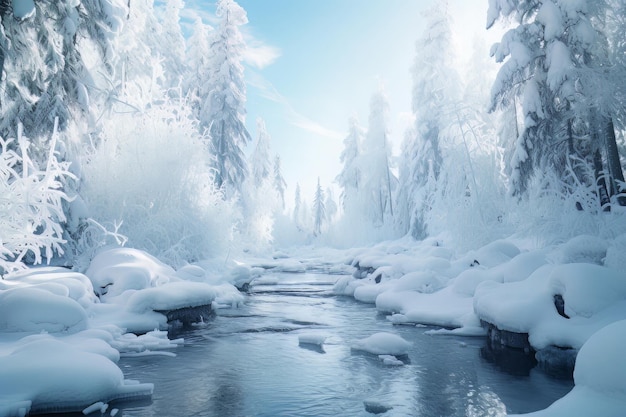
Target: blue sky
<point>312,64</point>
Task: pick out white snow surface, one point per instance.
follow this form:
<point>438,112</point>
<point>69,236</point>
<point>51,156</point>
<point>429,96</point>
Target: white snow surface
<point>59,342</point>
<point>46,374</point>
<point>509,283</point>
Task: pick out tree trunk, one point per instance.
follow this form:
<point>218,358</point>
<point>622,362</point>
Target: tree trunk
<point>613,161</point>
<point>605,201</point>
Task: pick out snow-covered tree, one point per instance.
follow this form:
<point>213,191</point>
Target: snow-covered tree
<point>376,186</point>
<point>330,205</point>
<point>556,62</point>
<point>297,206</point>
<point>319,209</point>
<point>198,53</point>
<point>31,195</point>
<point>280,185</point>
<point>260,160</point>
<point>222,111</point>
<point>44,74</point>
<point>436,87</point>
<point>350,176</point>
<point>173,44</point>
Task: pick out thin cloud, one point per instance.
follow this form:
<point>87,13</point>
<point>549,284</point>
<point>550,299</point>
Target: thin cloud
<point>267,90</point>
<point>258,54</point>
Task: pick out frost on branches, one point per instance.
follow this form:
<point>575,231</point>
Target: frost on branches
<point>30,204</point>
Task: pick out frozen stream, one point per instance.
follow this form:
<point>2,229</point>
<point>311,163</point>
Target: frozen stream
<point>248,362</point>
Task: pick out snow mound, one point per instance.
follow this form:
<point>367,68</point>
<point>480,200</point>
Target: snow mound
<point>28,309</point>
<point>383,344</point>
<point>172,296</point>
<point>116,270</point>
<point>47,375</point>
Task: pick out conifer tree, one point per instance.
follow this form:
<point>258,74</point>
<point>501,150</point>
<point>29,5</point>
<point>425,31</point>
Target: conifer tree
<point>280,185</point>
<point>222,111</point>
<point>319,209</point>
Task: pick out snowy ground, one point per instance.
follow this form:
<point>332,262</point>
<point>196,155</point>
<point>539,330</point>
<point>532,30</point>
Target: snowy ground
<point>62,332</point>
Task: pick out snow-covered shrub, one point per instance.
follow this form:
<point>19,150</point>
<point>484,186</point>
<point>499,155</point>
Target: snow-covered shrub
<point>555,210</point>
<point>470,201</point>
<point>31,210</point>
<point>151,172</point>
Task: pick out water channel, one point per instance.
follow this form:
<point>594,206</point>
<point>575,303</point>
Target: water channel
<point>249,362</point>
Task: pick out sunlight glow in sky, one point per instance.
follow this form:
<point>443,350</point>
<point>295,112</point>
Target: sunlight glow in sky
<point>312,64</point>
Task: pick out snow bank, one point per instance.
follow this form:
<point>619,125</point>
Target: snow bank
<point>514,289</point>
<point>135,288</point>
<point>599,377</point>
<point>383,344</point>
<point>35,309</point>
<point>47,375</point>
<point>594,296</point>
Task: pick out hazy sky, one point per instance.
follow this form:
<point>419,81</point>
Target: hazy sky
<point>312,64</point>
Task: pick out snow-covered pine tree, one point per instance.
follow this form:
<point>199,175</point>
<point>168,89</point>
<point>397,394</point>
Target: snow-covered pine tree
<point>330,205</point>
<point>350,177</point>
<point>297,206</point>
<point>172,45</point>
<point>319,209</point>
<point>436,87</point>
<point>198,53</point>
<point>377,179</point>
<point>260,159</point>
<point>280,185</point>
<point>44,74</point>
<point>556,60</point>
<point>222,111</point>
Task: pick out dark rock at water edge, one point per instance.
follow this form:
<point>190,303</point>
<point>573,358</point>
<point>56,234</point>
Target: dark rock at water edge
<point>188,315</point>
<point>362,271</point>
<point>376,407</point>
<point>507,338</point>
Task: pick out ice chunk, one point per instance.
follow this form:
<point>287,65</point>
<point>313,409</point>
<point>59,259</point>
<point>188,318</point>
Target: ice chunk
<point>312,338</point>
<point>383,343</point>
<point>390,360</point>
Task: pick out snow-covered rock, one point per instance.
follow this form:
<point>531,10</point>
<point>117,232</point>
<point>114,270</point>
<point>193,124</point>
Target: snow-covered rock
<point>383,343</point>
<point>599,377</point>
<point>594,296</point>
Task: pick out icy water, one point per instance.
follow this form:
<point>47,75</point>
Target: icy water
<point>248,362</point>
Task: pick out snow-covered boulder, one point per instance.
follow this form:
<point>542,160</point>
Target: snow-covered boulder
<point>113,271</point>
<point>593,297</point>
<point>599,377</point>
<point>383,343</point>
